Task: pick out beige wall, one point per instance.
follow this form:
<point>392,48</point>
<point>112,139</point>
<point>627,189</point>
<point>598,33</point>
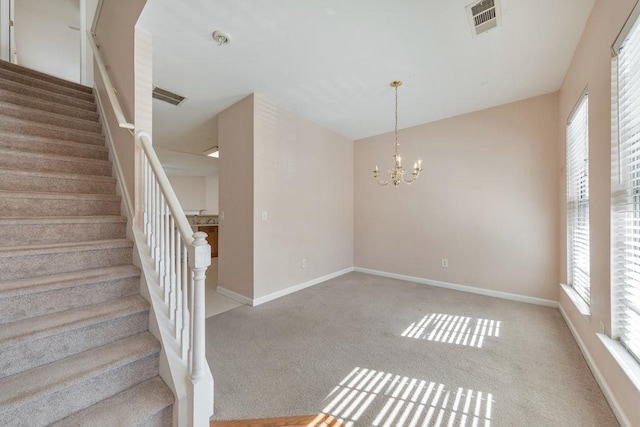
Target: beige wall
<point>116,34</point>
<point>196,192</point>
<point>303,181</point>
<point>235,172</point>
<point>190,191</point>
<point>211,194</point>
<point>487,201</point>
<point>591,69</point>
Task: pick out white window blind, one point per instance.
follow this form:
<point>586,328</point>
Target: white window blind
<point>626,187</point>
<point>578,199</point>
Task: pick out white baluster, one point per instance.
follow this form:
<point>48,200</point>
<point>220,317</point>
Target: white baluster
<point>145,203</point>
<point>163,242</point>
<point>172,269</point>
<point>191,313</point>
<point>156,230</point>
<point>178,268</point>
<point>186,317</point>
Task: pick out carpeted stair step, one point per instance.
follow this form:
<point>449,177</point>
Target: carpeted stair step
<point>32,342</point>
<point>15,203</point>
<point>17,262</point>
<point>55,182</point>
<point>46,117</point>
<point>34,82</point>
<point>17,231</point>
<point>49,393</point>
<point>146,404</point>
<point>27,127</point>
<point>42,76</point>
<point>37,296</point>
<point>40,144</point>
<point>43,162</point>
<point>26,90</point>
<point>49,106</point>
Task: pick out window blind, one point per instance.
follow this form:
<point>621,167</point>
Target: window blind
<point>578,199</point>
<point>626,189</point>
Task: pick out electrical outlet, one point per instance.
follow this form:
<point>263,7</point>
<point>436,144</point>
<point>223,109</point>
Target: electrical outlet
<point>303,263</point>
<point>264,215</point>
<point>601,327</point>
<point>445,263</point>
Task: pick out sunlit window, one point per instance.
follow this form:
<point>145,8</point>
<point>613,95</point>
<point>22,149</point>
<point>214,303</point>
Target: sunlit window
<point>578,257</point>
<point>625,166</point>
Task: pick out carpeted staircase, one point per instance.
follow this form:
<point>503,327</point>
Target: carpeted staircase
<point>75,348</point>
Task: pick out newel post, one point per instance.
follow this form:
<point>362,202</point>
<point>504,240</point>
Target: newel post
<point>202,398</point>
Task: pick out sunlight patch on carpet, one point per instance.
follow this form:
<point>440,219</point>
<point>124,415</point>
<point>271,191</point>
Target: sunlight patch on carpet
<point>450,329</point>
<point>404,401</point>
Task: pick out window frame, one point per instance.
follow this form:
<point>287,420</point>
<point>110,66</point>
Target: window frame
<point>577,201</point>
<point>625,196</point>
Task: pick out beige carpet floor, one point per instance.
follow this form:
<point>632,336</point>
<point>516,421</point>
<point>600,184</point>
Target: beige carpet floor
<point>373,351</point>
<point>216,303</point>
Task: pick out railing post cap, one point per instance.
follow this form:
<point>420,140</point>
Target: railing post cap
<point>199,238</point>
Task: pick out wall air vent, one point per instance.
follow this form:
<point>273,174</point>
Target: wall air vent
<point>167,96</point>
<point>484,15</point>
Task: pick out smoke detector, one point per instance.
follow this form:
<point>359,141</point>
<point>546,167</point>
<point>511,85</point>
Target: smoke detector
<point>484,15</point>
<point>221,37</point>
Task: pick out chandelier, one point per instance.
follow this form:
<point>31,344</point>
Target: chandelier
<point>396,175</point>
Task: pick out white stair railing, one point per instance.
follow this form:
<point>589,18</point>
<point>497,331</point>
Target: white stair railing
<point>174,261</point>
<point>180,260</point>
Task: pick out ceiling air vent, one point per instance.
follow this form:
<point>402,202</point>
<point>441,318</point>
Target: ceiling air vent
<point>167,96</point>
<point>483,16</point>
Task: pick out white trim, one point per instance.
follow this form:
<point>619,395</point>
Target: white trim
<point>626,28</point>
<point>299,287</point>
<point>463,288</point>
<point>113,154</point>
<point>627,362</point>
<point>604,386</point>
<point>580,304</point>
<point>234,296</point>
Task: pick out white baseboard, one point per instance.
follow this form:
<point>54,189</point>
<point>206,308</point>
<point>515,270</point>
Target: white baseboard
<point>463,288</point>
<point>234,296</point>
<point>299,287</point>
<point>604,386</point>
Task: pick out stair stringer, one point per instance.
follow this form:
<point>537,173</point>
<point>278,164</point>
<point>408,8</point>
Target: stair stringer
<point>173,371</point>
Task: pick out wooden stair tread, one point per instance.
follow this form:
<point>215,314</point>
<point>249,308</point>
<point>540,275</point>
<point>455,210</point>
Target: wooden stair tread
<point>319,420</point>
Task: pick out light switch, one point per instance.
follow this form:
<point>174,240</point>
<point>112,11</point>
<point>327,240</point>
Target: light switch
<point>264,215</point>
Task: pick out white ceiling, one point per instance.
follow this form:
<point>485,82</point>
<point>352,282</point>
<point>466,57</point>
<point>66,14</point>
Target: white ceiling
<point>332,60</point>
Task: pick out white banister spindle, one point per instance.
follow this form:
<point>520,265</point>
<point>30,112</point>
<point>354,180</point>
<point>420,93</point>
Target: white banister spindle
<point>178,269</point>
<point>186,318</point>
<point>172,269</point>
<point>165,257</point>
<point>191,313</point>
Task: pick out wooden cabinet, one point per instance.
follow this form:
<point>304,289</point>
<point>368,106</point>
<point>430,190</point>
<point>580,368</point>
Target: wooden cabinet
<point>212,237</point>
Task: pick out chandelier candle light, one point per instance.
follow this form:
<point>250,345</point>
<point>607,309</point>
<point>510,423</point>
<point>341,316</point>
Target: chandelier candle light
<point>396,175</point>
